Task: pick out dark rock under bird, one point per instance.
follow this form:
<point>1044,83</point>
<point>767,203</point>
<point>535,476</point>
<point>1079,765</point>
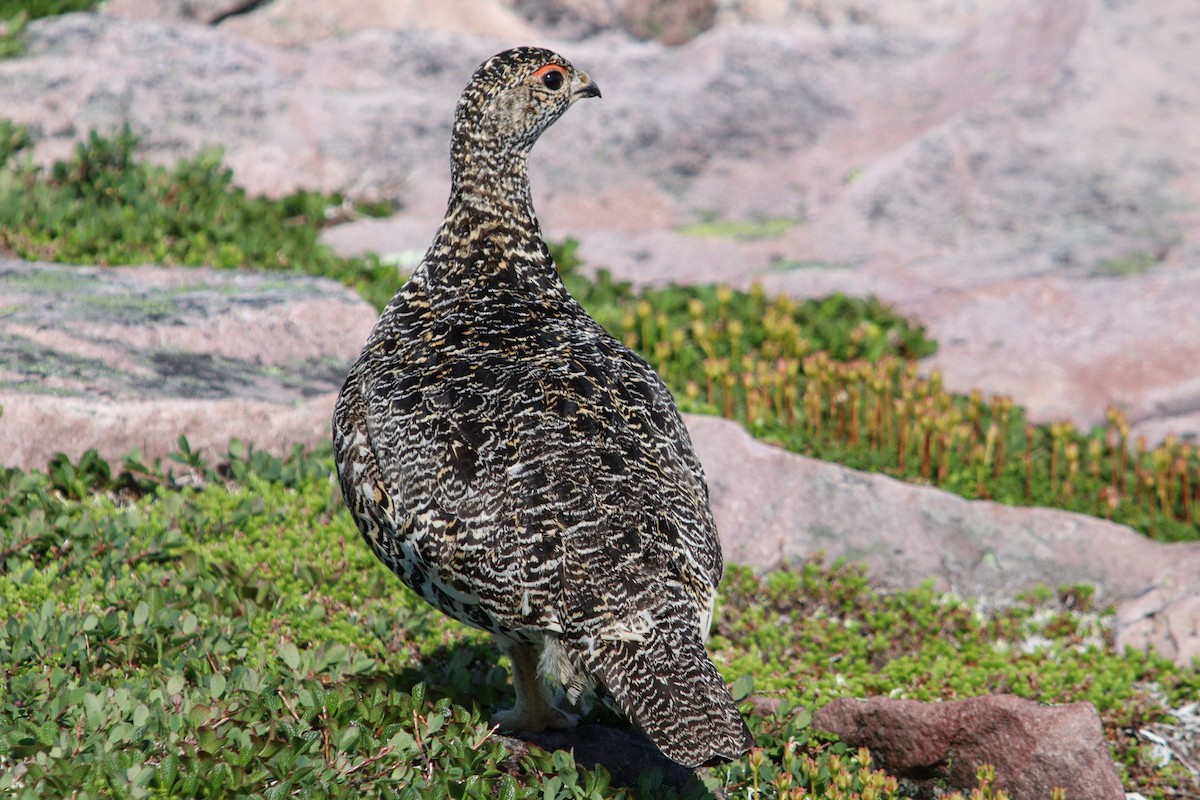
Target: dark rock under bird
<point>521,469</point>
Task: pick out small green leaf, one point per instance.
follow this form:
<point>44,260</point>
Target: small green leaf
<point>216,687</point>
<point>403,742</point>
<point>120,733</point>
<point>743,687</point>
<point>290,655</point>
<point>47,733</point>
<point>562,761</point>
<point>94,707</point>
<point>336,654</point>
<point>250,681</point>
<point>168,768</point>
<point>198,715</point>
<point>175,684</point>
<point>209,741</point>
<point>141,614</point>
<point>279,791</point>
<point>801,718</point>
<point>140,775</point>
<point>349,738</point>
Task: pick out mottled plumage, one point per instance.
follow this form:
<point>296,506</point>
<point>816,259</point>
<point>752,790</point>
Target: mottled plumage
<point>522,470</point>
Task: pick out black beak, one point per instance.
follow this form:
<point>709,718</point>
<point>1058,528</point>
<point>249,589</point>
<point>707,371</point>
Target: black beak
<point>589,90</point>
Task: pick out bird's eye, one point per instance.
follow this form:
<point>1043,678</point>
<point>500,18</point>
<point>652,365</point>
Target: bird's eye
<point>553,79</point>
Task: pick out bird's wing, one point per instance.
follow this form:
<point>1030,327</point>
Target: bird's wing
<point>502,464</point>
<point>640,565</point>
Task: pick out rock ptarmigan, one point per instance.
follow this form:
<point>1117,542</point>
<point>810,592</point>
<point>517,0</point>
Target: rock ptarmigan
<point>521,469</point>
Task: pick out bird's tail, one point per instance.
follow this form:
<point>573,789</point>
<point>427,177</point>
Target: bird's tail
<point>667,686</point>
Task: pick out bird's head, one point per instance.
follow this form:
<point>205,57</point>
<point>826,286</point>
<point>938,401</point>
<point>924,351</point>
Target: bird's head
<point>512,98</point>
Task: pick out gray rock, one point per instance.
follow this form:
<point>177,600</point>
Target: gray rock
<point>1012,173</point>
<point>294,22</point>
<point>373,110</point>
<point>1034,748</point>
<point>400,239</point>
<point>1165,618</point>
<point>297,22</point>
<point>1070,347</point>
<point>669,21</point>
<point>353,115</point>
<point>134,357</point>
<point>206,12</point>
<point>773,507</point>
<point>569,19</point>
<point>886,14</point>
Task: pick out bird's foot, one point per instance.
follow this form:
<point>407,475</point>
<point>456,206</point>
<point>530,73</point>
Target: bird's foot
<point>534,717</point>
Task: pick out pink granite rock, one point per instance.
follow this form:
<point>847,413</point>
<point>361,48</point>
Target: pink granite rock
<point>135,357</point>
<point>773,507</point>
<point>1034,748</point>
<point>1165,618</point>
<point>207,12</point>
<point>297,22</point>
<point>669,21</point>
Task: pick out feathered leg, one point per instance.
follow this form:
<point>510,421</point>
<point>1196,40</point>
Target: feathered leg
<point>535,709</point>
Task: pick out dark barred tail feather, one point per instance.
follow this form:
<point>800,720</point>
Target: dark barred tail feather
<point>669,688</point>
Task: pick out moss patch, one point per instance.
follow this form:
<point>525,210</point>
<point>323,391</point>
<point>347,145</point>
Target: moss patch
<point>188,630</point>
<point>740,230</point>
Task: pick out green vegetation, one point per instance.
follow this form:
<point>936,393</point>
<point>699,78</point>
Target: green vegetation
<point>15,14</point>
<point>192,630</point>
<point>836,379</point>
<point>105,206</point>
<point>793,265</point>
<point>743,230</point>
<point>830,378</point>
<point>183,629</point>
<point>35,9</point>
<point>1132,264</point>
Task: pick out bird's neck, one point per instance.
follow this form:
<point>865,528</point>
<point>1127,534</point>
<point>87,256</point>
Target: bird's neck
<point>490,234</point>
<point>492,187</point>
